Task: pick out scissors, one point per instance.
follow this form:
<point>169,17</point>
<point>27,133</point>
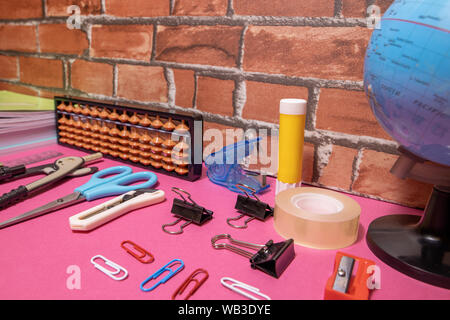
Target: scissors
<point>63,167</point>
<point>98,186</point>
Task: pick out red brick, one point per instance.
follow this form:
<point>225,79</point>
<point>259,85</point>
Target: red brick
<point>229,133</point>
<point>41,72</point>
<point>142,83</point>
<point>211,45</point>
<point>339,169</point>
<point>18,38</point>
<point>8,67</point>
<point>349,112</point>
<point>308,162</point>
<point>215,95</point>
<point>358,8</point>
<point>319,52</point>
<point>18,89</point>
<point>59,7</point>
<point>263,100</point>
<point>29,91</point>
<point>200,8</point>
<point>92,77</point>
<point>20,9</point>
<point>137,8</point>
<point>185,87</point>
<point>49,94</point>
<point>125,42</point>
<point>288,8</point>
<point>57,38</point>
<point>375,179</point>
<point>384,4</point>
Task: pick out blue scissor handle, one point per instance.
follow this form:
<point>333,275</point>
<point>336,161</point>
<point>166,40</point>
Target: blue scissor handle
<point>97,180</point>
<point>120,185</point>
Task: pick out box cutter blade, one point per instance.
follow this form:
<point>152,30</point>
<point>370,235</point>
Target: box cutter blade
<point>114,208</point>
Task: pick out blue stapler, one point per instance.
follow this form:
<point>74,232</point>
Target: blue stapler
<point>223,167</point>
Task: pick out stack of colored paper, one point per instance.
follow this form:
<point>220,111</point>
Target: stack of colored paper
<point>25,122</point>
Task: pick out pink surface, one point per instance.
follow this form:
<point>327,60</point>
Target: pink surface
<point>35,254</point>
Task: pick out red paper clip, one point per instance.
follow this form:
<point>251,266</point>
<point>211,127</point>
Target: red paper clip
<point>143,252</point>
<point>184,285</point>
<point>342,285</point>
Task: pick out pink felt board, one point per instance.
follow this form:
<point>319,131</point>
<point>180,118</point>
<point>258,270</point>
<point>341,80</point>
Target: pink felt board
<point>35,255</point>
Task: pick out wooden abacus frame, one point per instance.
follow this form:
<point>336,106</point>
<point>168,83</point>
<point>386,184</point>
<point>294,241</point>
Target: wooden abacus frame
<point>193,137</point>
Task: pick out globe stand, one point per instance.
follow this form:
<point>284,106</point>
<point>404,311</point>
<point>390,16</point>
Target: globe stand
<point>418,246</point>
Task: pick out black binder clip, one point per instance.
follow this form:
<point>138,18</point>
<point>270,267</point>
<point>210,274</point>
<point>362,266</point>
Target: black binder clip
<point>254,208</point>
<point>271,258</point>
<point>189,211</point>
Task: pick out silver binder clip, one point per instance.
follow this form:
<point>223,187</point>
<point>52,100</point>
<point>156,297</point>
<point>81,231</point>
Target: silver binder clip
<point>236,286</point>
<point>110,273</point>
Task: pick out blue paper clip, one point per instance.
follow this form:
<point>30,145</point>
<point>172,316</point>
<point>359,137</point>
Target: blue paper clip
<point>160,271</point>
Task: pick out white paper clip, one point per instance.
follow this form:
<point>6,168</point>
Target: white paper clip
<point>110,273</point>
<point>235,285</point>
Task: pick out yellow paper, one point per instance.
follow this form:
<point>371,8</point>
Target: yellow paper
<point>11,101</point>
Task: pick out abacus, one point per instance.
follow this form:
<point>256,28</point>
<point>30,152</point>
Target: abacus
<point>168,143</point>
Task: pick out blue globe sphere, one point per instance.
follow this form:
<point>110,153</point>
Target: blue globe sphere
<point>407,76</point>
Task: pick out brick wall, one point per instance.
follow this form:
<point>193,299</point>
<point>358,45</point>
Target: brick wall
<point>229,60</point>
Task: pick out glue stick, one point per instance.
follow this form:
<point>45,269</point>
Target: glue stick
<point>290,145</point>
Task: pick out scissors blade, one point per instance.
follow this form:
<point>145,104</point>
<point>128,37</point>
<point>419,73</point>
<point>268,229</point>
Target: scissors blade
<point>47,208</point>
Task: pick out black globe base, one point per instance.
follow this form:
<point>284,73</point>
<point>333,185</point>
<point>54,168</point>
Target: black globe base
<point>418,246</point>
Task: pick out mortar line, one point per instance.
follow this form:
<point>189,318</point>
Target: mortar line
<point>154,35</point>
<point>172,7</point>
<point>311,108</point>
<point>18,68</point>
<point>44,8</point>
<point>230,8</point>
<point>171,88</point>
<point>102,7</point>
<point>234,20</point>
<point>65,74</point>
<point>338,7</point>
<point>239,97</point>
<point>240,57</point>
<point>315,171</point>
<point>355,167</point>
<point>88,31</point>
<point>194,98</point>
<point>38,43</point>
<point>115,83</point>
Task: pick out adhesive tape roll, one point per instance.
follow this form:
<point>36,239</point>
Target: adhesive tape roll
<point>316,218</point>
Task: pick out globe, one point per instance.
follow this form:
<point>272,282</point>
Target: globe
<point>407,76</point>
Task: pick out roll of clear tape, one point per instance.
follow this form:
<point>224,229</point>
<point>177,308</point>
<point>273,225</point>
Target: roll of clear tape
<point>317,218</point>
